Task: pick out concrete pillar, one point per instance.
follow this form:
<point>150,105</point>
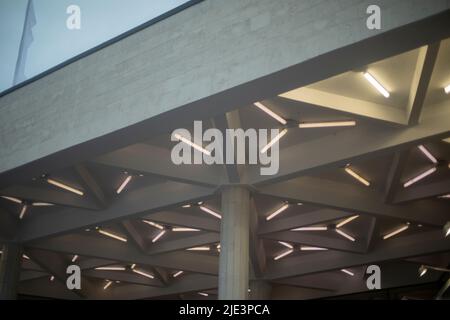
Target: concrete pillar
<point>10,262</point>
<point>260,290</point>
<point>234,243</point>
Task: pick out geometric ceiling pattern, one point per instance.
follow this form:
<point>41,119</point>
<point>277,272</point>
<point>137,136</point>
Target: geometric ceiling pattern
<point>345,197</point>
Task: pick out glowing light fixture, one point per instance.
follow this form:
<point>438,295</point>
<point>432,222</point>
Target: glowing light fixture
<point>25,257</point>
<point>182,229</point>
<point>447,229</point>
<point>112,235</point>
<point>422,270</point>
<point>344,222</point>
<point>198,249</point>
<point>277,212</point>
<point>428,154</point>
<point>327,124</point>
<point>274,140</point>
<point>153,224</point>
<point>308,248</point>
<point>108,283</point>
<point>12,199</point>
<point>110,268</point>
<point>376,84</point>
<point>192,144</point>
<point>284,254</point>
<point>345,235</point>
<point>211,212</point>
<point>395,232</point>
<point>348,272</point>
<point>203,294</point>
<point>52,278</point>
<point>124,184</point>
<point>74,258</point>
<point>357,176</point>
<point>158,236</point>
<point>65,187</point>
<point>42,204</point>
<point>270,113</point>
<point>319,228</point>
<point>287,245</point>
<point>23,211</point>
<point>178,273</point>
<point>447,89</point>
<point>419,177</point>
<point>143,273</point>
<point>133,266</point>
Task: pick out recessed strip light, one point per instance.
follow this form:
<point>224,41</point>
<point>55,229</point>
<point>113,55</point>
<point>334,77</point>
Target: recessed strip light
<point>277,212</point>
<point>445,196</point>
<point>270,112</point>
<point>422,270</point>
<point>65,187</point>
<point>159,235</point>
<point>186,206</point>
<point>42,204</point>
<point>192,144</point>
<point>395,232</point>
<point>344,222</point>
<point>203,294</point>
<point>211,212</point>
<point>376,84</point>
<point>23,211</point>
<point>348,272</point>
<point>345,235</point>
<point>308,248</point>
<point>182,229</point>
<point>110,268</point>
<point>153,224</point>
<point>178,273</point>
<point>112,235</point>
<point>12,199</point>
<point>74,258</point>
<point>447,89</point>
<point>25,257</point>
<point>284,254</point>
<point>287,245</point>
<point>133,266</point>
<point>357,176</point>
<point>108,283</point>
<point>327,124</point>
<point>428,154</point>
<point>274,140</point>
<point>324,228</point>
<point>447,229</point>
<point>198,249</point>
<point>143,273</point>
<point>419,177</point>
<point>124,184</point>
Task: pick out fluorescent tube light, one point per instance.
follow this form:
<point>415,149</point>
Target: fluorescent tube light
<point>348,272</point>
<point>287,245</point>
<point>357,176</point>
<point>274,140</point>
<point>345,235</point>
<point>112,235</point>
<point>143,273</point>
<point>186,206</point>
<point>198,249</point>
<point>376,84</point>
<point>12,199</point>
<point>311,229</point>
<point>395,232</point>
<point>153,224</point>
<point>428,154</point>
<point>133,266</point>
<point>178,273</point>
<point>344,222</point>
<point>270,112</point>
<point>42,204</point>
<point>65,187</point>
<point>445,196</point>
<point>419,177</point>
<point>75,257</point>
<point>124,184</point>
<point>108,283</point>
<point>203,294</point>
<point>211,212</point>
<point>277,212</point>
<point>25,257</point>
<point>422,270</point>
<point>23,211</point>
<point>308,248</point>
<point>326,124</point>
<point>447,229</point>
<point>284,254</point>
<point>182,229</point>
<point>447,89</point>
<point>192,144</point>
<point>159,235</point>
<point>110,268</point>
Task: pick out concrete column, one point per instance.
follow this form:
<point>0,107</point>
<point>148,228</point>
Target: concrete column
<point>234,243</point>
<point>260,290</point>
<point>10,262</point>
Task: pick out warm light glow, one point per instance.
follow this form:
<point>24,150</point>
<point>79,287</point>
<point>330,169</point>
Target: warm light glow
<point>349,219</point>
<point>274,140</point>
<point>108,283</point>
<point>324,228</point>
<point>124,184</point>
<point>75,257</point>
<point>190,143</point>
<point>23,211</point>
<point>357,176</point>
<point>277,212</point>
<point>287,245</point>
<point>25,257</point>
<point>176,274</point>
<point>153,224</point>
<point>12,199</point>
<point>419,177</point>
<point>182,229</point>
<point>186,206</point>
<point>306,125</point>
<point>345,235</point>
<point>52,278</point>
<point>270,113</point>
<point>203,294</point>
<point>159,235</point>
<point>422,271</point>
<point>348,272</point>
<point>42,204</point>
<point>133,266</point>
<point>110,268</point>
<point>428,154</point>
<point>284,254</point>
<point>143,273</point>
<point>395,232</point>
<point>211,212</point>
<point>447,89</point>
<point>112,235</point>
<point>198,249</point>
<point>307,248</point>
<point>65,187</point>
<point>376,84</point>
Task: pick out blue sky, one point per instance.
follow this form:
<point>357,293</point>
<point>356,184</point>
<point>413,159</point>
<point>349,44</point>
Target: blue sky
<point>54,43</point>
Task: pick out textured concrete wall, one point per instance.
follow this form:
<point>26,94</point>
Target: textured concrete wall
<point>208,48</point>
